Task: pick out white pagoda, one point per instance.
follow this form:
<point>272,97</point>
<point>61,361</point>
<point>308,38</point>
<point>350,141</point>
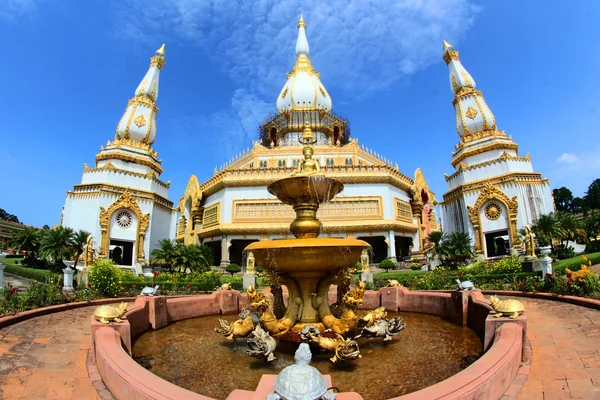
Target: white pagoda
<point>494,191</point>
<point>121,200</point>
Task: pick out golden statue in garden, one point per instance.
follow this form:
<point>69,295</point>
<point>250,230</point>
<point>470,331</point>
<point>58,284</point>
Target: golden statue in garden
<point>250,263</point>
<point>529,242</point>
<point>364,260</point>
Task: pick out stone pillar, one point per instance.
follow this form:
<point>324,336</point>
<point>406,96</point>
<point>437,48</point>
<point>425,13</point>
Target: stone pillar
<point>546,261</point>
<point>459,307</point>
<point>224,252</point>
<point>392,247</point>
<point>157,311</point>
<point>68,280</point>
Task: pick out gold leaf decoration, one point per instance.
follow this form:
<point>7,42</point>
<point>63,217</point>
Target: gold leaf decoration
<point>471,113</point>
<point>140,121</point>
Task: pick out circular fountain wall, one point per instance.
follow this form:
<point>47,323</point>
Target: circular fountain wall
<point>189,354</point>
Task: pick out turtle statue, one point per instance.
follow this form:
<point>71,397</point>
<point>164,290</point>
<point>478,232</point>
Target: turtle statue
<point>301,381</point>
<point>149,291</point>
<point>110,313</point>
<point>465,285</point>
<point>226,286</point>
<point>385,328</point>
<point>393,283</point>
<point>510,307</point>
<point>261,344</point>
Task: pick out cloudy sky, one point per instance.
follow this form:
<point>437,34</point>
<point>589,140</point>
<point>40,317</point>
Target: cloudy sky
<point>68,68</point>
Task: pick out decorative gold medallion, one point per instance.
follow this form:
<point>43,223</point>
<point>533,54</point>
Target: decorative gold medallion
<point>140,121</point>
<point>493,211</point>
<point>471,113</point>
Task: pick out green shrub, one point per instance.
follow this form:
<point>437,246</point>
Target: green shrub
<point>105,278</point>
<point>233,269</point>
<point>506,266</point>
<point>593,247</point>
<point>387,264</point>
<point>415,266</point>
<point>477,268</point>
<point>41,295</point>
<point>38,274</point>
<point>561,252</point>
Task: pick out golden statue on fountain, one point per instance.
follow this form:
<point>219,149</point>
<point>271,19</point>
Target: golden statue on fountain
<point>308,266</point>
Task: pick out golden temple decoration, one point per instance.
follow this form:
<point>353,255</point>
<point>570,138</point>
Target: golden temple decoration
<point>450,55</point>
<point>466,79</point>
<point>285,92</point>
<point>419,187</point>
<point>322,91</point>
<point>471,113</point>
<point>250,263</point>
<point>110,167</point>
<point>508,145</point>
<point>154,90</point>
<point>124,201</point>
<point>529,242</point>
<point>159,59</point>
<point>518,178</point>
<point>403,210</point>
<point>139,121</point>
<point>89,253</point>
<point>155,165</point>
<point>364,261</point>
<point>212,216</point>
<point>143,85</point>
<point>301,23</point>
<point>491,192</point>
<point>493,211</point>
<point>504,157</point>
<point>455,84</point>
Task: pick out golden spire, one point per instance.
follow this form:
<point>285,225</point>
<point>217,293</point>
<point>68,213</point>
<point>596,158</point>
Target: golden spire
<point>158,60</point>
<point>161,51</point>
<point>446,46</point>
<point>449,53</point>
<point>307,137</point>
<point>301,23</point>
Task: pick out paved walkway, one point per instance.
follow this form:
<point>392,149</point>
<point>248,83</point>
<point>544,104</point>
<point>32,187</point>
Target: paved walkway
<point>44,357</point>
<point>17,282</point>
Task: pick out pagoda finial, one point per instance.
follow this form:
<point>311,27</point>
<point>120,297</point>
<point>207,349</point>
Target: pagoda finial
<point>301,23</point>
<point>161,51</point>
<point>447,46</point>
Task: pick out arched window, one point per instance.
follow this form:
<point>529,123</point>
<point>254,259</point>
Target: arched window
<point>263,164</point>
<point>295,163</point>
<point>336,135</point>
<point>348,161</point>
<point>273,136</point>
<point>281,163</point>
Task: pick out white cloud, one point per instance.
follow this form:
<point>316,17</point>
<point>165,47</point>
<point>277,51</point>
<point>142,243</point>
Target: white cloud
<point>12,9</point>
<point>567,158</point>
<point>360,47</point>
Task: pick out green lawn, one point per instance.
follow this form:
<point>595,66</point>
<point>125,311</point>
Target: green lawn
<point>12,261</point>
<point>574,263</point>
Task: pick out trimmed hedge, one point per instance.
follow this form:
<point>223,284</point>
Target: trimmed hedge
<point>574,263</point>
<point>30,273</point>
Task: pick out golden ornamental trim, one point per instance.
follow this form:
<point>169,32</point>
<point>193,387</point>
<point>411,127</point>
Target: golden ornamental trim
<point>120,143</point>
<point>519,178</point>
<point>110,167</point>
<point>504,157</point>
<point>105,188</point>
<point>471,113</point>
<point>403,210</point>
<point>493,211</point>
<point>491,192</point>
<point>450,55</point>
<point>125,157</point>
<point>462,154</point>
<point>285,92</point>
<point>465,91</point>
<point>139,121</point>
<point>157,61</point>
<point>125,201</point>
<point>211,216</point>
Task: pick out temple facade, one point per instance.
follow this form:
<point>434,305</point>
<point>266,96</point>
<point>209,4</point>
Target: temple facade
<point>121,200</point>
<point>494,191</point>
<point>379,204</point>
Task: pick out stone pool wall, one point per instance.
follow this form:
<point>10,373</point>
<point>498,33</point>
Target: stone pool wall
<point>487,378</point>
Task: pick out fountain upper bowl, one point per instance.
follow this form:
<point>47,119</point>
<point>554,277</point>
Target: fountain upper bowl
<point>313,255</point>
<point>305,189</point>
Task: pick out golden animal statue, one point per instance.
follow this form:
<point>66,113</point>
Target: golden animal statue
<point>343,349</point>
<point>348,318</point>
<point>364,261</point>
<point>393,283</point>
<point>510,307</point>
<point>373,316</point>
<point>250,263</point>
<point>110,313</point>
<point>240,328</point>
<point>226,286</point>
<point>277,326</point>
<point>308,166</point>
<point>529,242</point>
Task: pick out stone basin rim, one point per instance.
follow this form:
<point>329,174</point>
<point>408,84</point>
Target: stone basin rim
<point>306,243</point>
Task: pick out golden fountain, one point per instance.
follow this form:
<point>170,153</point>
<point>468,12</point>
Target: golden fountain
<point>308,265</point>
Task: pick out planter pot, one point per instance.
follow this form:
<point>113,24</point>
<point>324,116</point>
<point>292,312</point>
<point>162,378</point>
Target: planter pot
<point>545,249</point>
<point>69,264</point>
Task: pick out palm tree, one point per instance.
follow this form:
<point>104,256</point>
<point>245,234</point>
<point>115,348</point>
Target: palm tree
<point>546,229</point>
<point>27,240</point>
<point>79,240</point>
<point>458,247</point>
<point>592,224</point>
<point>57,244</point>
<point>165,253</point>
<point>193,258</point>
<point>436,238</point>
<point>570,226</point>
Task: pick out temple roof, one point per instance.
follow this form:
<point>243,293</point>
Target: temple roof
<point>303,89</point>
<point>138,123</point>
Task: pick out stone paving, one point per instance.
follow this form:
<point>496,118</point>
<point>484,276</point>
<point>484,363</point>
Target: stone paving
<point>17,282</point>
<point>45,357</point>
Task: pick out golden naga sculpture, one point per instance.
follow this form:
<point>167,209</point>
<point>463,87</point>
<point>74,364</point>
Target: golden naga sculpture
<point>343,349</point>
<point>373,316</point>
<point>250,263</point>
<point>511,308</point>
<point>529,242</point>
<point>268,320</point>
<point>348,318</point>
<point>364,260</point>
<point>240,328</point>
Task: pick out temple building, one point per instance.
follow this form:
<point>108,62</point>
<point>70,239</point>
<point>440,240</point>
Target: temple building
<point>379,204</point>
<point>121,200</point>
<point>494,191</point>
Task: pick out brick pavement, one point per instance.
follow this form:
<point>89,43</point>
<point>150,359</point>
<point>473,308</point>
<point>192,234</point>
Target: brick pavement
<point>44,357</point>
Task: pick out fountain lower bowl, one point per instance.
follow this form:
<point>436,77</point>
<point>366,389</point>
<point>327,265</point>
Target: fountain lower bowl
<point>314,255</point>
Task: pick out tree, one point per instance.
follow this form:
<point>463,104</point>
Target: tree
<point>546,229</point>
<point>165,253</point>
<point>571,228</point>
<point>233,269</point>
<point>57,245</point>
<point>579,206</point>
<point>457,247</point>
<point>27,240</point>
<point>436,238</point>
<point>78,241</point>
<point>563,199</point>
<point>8,217</point>
<point>592,224</point>
<point>592,196</point>
<point>46,227</point>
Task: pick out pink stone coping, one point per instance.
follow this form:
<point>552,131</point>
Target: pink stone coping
<point>489,377</point>
<point>578,301</point>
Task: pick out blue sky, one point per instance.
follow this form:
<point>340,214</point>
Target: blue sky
<point>68,68</point>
